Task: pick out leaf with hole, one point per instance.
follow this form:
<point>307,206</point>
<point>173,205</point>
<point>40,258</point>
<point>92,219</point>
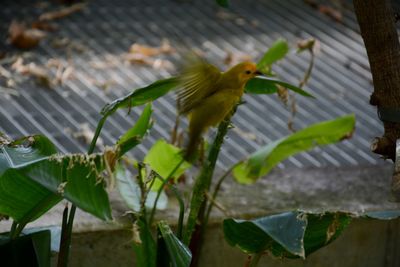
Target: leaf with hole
<point>32,180</point>
<point>289,234</point>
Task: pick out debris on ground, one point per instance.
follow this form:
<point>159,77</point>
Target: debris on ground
<point>147,55</point>
<point>328,10</point>
<point>22,37</point>
<point>40,73</point>
<point>231,59</point>
<point>61,13</point>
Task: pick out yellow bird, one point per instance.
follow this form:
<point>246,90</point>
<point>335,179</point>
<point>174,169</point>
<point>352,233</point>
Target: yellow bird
<point>207,96</point>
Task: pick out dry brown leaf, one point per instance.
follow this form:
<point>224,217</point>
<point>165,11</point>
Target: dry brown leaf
<point>61,13</point>
<point>44,26</point>
<point>331,12</point>
<point>283,94</point>
<point>32,69</point>
<point>232,59</point>
<point>22,37</point>
<point>137,59</point>
<point>245,134</point>
<point>149,51</point>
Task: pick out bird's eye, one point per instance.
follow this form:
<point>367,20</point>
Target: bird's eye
<point>248,72</point>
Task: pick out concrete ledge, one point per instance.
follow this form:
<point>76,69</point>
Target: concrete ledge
<point>356,189</point>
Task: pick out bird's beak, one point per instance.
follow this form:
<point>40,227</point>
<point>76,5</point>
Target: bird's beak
<point>257,72</point>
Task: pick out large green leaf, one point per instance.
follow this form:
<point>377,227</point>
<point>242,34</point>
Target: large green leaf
<point>142,96</point>
<point>276,52</point>
<point>27,250</point>
<point>268,85</point>
<point>289,234</point>
<point>20,197</point>
<point>163,158</point>
<point>178,254</point>
<point>32,181</point>
<point>262,161</point>
<point>134,135</point>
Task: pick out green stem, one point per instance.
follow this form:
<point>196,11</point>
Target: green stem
<point>166,180</point>
<point>13,228</point>
<point>216,190</point>
<point>66,230</point>
<point>62,260</point>
<point>203,181</point>
<point>181,212</point>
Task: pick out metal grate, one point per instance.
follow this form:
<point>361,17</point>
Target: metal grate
<point>341,80</point>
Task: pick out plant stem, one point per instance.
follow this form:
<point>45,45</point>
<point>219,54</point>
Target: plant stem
<point>203,182</point>
<point>216,190</point>
<point>68,220</point>
<point>13,228</point>
<point>165,181</point>
<point>181,206</point>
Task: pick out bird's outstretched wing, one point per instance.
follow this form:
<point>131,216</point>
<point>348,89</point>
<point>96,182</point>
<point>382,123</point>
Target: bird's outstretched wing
<point>198,80</point>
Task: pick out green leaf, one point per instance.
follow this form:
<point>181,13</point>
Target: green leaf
<point>20,197</point>
<point>262,161</point>
<point>163,158</point>
<point>289,234</point>
<point>24,151</point>
<point>267,85</point>
<point>179,254</point>
<point>142,96</point>
<point>133,136</point>
<point>55,235</point>
<point>27,250</point>
<point>144,244</point>
<point>223,3</point>
<point>32,181</point>
<point>276,52</point>
<point>130,192</point>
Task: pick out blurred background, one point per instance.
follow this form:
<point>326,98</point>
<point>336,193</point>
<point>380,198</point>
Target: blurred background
<point>62,61</point>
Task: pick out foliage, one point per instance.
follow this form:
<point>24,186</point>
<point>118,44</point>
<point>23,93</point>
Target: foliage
<point>34,178</point>
<point>262,161</point>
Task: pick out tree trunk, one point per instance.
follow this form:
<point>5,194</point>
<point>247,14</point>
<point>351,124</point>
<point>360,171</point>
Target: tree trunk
<point>378,29</point>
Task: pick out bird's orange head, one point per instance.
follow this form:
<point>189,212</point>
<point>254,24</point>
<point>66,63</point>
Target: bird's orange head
<point>244,71</point>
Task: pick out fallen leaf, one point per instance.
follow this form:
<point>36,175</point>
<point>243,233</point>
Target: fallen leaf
<point>32,69</point>
<point>149,51</point>
<point>326,10</point>
<point>44,26</point>
<point>245,134</point>
<point>24,38</point>
<point>61,13</point>
<point>232,59</point>
<point>331,12</point>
